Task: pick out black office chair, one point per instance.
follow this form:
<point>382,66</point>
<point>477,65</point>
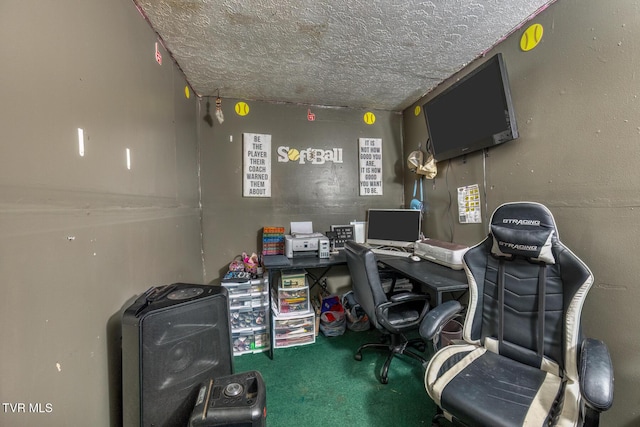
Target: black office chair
<point>524,358</point>
<point>393,315</point>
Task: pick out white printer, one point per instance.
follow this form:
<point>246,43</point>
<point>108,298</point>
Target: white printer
<point>304,242</point>
<point>445,253</point>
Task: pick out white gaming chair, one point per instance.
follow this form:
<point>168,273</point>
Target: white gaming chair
<point>523,360</point>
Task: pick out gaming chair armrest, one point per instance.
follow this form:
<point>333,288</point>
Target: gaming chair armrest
<point>596,374</point>
<point>435,320</point>
<point>408,299</point>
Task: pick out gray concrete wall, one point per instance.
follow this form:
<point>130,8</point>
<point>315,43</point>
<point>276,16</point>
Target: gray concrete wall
<point>577,107</point>
<point>81,236</point>
<point>325,193</point>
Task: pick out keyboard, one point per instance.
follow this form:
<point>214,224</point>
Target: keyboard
<point>391,252</point>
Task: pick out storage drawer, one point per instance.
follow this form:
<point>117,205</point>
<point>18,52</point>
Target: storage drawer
<point>248,342</point>
<point>294,330</point>
<point>240,301</point>
<point>242,342</point>
<point>293,279</point>
<point>243,318</point>
<point>292,300</point>
<point>236,288</point>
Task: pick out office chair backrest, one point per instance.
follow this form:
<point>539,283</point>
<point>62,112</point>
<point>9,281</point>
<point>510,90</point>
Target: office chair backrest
<point>365,278</point>
<point>520,271</point>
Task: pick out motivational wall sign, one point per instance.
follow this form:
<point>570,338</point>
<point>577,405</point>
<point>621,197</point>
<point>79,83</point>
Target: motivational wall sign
<point>314,156</point>
<point>370,166</point>
<point>256,165</point>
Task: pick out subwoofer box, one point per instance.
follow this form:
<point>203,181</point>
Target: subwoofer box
<point>174,338</point>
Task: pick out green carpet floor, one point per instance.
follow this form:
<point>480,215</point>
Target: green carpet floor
<point>322,384</point>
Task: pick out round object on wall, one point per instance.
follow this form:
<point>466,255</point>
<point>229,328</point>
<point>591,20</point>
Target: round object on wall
<point>369,118</point>
<point>531,37</point>
<point>242,108</point>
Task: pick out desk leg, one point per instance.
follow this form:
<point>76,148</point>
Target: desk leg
<point>438,298</point>
<point>317,279</point>
<point>272,338</point>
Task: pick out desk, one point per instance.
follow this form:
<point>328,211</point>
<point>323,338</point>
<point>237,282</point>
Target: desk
<point>427,274</point>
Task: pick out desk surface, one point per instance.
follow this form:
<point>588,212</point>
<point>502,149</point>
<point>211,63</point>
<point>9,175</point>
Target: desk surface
<point>281,262</point>
<point>435,276</point>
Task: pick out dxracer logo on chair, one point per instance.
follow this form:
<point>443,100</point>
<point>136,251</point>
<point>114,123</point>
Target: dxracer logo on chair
<point>315,156</point>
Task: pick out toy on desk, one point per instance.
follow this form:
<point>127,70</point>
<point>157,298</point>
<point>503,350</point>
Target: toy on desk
<point>244,267</point>
<point>251,263</point>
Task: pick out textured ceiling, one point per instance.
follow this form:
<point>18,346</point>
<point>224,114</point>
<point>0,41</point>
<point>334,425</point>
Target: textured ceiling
<point>354,53</point>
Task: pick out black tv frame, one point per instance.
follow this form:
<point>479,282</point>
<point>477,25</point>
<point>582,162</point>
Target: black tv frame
<point>455,129</point>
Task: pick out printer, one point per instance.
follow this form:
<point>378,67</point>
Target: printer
<point>304,242</point>
<point>444,253</point>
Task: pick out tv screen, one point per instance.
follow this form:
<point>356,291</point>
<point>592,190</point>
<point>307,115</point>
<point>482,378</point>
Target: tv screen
<point>472,114</point>
<point>393,227</point>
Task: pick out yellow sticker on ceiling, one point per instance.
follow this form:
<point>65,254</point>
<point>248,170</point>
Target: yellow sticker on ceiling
<point>369,118</point>
<point>531,37</point>
<point>242,108</point>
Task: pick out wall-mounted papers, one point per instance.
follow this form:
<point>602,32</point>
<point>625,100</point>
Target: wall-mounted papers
<point>469,211</point>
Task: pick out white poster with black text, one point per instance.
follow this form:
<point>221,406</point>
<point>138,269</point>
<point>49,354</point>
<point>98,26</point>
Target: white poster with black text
<point>256,169</point>
<point>370,166</point>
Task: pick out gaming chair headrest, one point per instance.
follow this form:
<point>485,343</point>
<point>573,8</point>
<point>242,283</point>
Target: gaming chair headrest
<point>525,229</point>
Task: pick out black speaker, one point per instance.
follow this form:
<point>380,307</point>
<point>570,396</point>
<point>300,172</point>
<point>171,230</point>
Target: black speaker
<point>238,400</point>
<point>174,338</point>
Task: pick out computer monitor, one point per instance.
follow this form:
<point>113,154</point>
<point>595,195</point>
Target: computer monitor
<point>393,227</point>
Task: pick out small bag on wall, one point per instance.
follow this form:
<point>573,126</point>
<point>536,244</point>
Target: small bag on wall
<point>429,168</point>
<point>417,164</point>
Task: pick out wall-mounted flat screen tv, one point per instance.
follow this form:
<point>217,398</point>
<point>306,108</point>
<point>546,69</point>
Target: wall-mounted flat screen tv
<point>474,113</point>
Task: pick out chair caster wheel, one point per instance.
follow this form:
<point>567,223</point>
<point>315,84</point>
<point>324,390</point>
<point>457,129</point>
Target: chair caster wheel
<point>358,356</point>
